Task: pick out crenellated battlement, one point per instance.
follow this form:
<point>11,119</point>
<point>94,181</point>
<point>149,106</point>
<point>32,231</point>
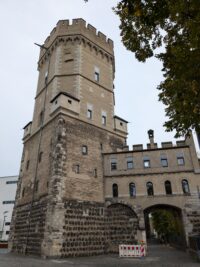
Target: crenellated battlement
<point>79,27</point>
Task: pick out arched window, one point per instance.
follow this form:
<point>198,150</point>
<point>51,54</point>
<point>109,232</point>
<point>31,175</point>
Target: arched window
<point>115,190</point>
<point>185,186</point>
<point>150,189</point>
<point>132,190</point>
<point>168,187</point>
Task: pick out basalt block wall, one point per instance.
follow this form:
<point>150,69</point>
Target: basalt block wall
<point>27,237</point>
<point>90,228</point>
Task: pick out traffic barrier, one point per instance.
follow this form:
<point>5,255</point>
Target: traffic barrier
<point>132,250</point>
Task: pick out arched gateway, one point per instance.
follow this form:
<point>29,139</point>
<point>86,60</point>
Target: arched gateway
<point>169,217</point>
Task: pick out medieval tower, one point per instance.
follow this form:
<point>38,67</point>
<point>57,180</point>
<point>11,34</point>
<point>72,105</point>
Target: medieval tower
<point>81,191</point>
<point>60,196</point>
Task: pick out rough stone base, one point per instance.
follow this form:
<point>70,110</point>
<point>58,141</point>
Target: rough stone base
<point>92,229</point>
<point>25,237</point>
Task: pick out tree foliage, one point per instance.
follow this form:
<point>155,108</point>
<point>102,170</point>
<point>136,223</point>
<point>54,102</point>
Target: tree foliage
<point>147,25</point>
<point>165,224</point>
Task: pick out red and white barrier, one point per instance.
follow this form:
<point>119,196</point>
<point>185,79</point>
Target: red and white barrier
<point>132,250</point>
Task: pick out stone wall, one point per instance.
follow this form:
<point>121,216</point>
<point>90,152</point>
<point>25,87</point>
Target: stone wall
<point>84,229</point>
<point>27,231</point>
<point>122,223</point>
<point>92,229</point>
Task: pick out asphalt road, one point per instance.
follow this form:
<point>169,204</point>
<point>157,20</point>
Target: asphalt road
<point>158,256</point>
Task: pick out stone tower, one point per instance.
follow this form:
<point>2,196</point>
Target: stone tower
<point>59,207</point>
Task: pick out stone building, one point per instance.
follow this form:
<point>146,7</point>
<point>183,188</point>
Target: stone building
<point>80,190</point>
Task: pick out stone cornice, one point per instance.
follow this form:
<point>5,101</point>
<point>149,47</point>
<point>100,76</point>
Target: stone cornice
<point>75,38</point>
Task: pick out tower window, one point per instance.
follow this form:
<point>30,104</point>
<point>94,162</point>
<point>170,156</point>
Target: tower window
<point>96,74</point>
<point>115,190</point>
<point>77,169</point>
<point>113,166</point>
<point>95,173</point>
<point>89,111</point>
<point>103,120</point>
<point>89,114</point>
<point>69,101</point>
<point>84,150</point>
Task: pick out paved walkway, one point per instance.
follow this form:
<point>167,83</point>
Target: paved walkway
<point>158,256</point>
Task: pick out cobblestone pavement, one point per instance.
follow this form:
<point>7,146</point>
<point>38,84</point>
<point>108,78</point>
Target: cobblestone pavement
<point>158,256</point>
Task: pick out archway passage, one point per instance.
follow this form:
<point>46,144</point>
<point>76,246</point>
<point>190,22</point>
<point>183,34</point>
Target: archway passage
<point>164,224</point>
<point>122,226</point>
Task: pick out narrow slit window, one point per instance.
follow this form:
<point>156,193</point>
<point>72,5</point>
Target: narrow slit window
<point>84,150</point>
<point>77,168</point>
<point>96,74</point>
<point>103,119</point>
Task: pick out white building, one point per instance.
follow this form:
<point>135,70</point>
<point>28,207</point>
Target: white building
<point>8,187</point>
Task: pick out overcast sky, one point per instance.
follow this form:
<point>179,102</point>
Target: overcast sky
<point>24,22</point>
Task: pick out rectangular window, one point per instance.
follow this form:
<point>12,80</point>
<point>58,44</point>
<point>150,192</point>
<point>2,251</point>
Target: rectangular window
<point>77,169</point>
<point>89,114</point>
<point>113,166</point>
<point>103,120</point>
<point>146,163</point>
<point>8,202</point>
<point>11,182</point>
<point>7,223</point>
<point>130,164</point>
<point>96,74</point>
<point>84,150</point>
<point>180,161</point>
<point>89,111</point>
<point>7,232</point>
<point>164,162</point>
